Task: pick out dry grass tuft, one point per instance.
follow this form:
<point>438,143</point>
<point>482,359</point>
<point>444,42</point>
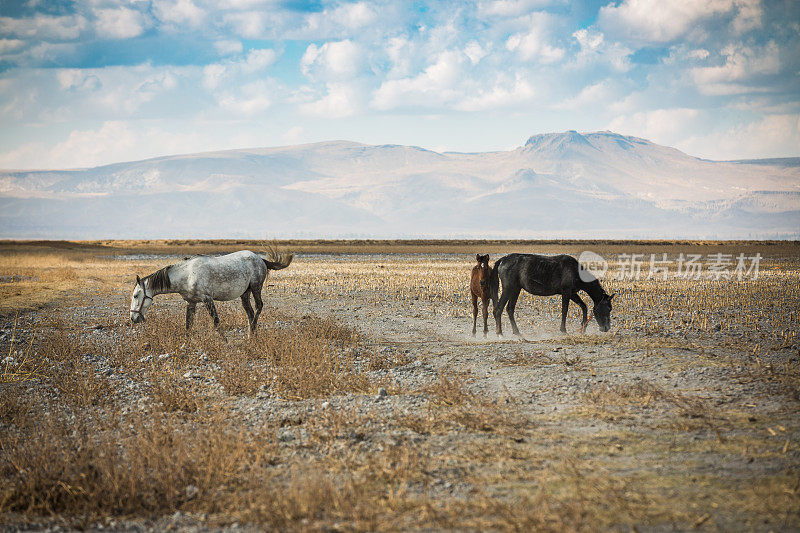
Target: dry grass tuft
<point>171,391</point>
<point>69,370</point>
<point>21,363</point>
<point>145,466</point>
<point>240,376</point>
<point>451,402</point>
<point>614,402</point>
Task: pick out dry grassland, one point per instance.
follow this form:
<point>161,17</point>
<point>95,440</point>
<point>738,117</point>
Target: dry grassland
<point>363,404</point>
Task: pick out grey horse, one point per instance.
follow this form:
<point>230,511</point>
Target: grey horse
<point>204,279</point>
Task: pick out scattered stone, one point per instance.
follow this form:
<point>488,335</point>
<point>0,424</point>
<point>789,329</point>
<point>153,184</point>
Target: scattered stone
<point>191,492</point>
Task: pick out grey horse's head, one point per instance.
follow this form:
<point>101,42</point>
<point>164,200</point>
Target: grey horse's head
<point>140,301</point>
<point>602,312</point>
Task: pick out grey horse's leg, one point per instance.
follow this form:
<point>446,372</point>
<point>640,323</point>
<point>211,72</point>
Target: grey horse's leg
<point>190,309</point>
<point>564,308</point>
<point>249,310</point>
<point>256,291</point>
<point>212,310</point>
<point>577,299</point>
<point>512,305</point>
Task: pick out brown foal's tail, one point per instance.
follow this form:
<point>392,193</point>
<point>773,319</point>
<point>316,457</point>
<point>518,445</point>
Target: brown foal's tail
<point>280,261</point>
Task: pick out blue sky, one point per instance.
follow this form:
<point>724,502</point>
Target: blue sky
<point>90,82</point>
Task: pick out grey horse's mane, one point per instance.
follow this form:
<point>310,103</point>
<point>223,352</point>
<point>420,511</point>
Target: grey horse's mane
<point>159,280</point>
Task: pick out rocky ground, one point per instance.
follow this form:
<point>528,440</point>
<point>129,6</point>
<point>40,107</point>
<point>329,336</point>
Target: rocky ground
<point>622,430</point>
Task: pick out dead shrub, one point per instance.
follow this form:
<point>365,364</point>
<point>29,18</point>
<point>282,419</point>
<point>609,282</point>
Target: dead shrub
<point>173,392</point>
<point>142,466</point>
<point>453,403</point>
<point>71,373</point>
<point>15,408</point>
<point>240,376</point>
<point>309,359</point>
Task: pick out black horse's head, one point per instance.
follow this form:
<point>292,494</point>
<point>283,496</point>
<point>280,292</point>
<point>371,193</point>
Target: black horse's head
<point>602,312</point>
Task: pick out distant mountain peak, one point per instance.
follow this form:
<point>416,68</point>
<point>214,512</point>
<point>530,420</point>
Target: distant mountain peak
<point>591,184</point>
<point>559,143</point>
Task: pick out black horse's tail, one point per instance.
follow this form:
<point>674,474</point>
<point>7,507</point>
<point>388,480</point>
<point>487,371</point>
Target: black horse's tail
<point>494,282</point>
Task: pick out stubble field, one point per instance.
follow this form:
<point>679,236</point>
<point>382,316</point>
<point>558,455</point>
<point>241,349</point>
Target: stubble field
<point>363,403</point>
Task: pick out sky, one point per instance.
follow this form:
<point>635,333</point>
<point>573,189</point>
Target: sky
<point>91,82</point>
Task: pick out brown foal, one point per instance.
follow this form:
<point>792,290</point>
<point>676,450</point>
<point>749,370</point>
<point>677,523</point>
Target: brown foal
<point>479,287</point>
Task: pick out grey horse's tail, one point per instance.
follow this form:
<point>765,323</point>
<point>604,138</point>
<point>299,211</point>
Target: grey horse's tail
<point>280,261</point>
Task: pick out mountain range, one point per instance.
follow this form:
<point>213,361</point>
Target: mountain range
<point>556,185</point>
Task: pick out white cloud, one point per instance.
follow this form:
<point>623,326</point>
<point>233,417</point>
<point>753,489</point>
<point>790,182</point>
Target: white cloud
<point>122,23</point>
<point>179,12</point>
<point>595,49</point>
<point>345,20</point>
<point>337,59</point>
<point>535,42</point>
<point>260,24</point>
<point>44,28</point>
<point>10,45</point>
<point>501,95</point>
<point>228,47</point>
<point>768,136</point>
<point>111,143</point>
<point>352,16</point>
<point>748,16</point>
<point>250,99</point>
<point>126,89</point>
<point>589,95</point>
<point>255,61</point>
<point>294,135</point>
<point>398,49</point>
<point>700,53</point>
<point>341,100</point>
<point>657,21</point>
<point>663,126</point>
<point>435,85</point>
<point>78,79</point>
<point>510,8</point>
<point>741,64</point>
<point>475,52</point>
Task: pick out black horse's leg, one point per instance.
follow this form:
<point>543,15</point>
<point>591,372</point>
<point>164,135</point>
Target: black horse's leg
<point>577,299</point>
<point>498,310</point>
<point>249,310</point>
<point>485,301</point>
<point>564,307</point>
<point>191,307</point>
<point>474,312</point>
<point>512,305</point>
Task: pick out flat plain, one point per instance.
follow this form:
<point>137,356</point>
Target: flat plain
<point>363,403</point>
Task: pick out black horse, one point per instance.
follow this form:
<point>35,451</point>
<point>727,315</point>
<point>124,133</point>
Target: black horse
<point>543,275</point>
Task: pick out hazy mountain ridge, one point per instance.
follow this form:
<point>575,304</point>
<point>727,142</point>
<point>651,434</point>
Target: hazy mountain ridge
<point>558,184</point>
